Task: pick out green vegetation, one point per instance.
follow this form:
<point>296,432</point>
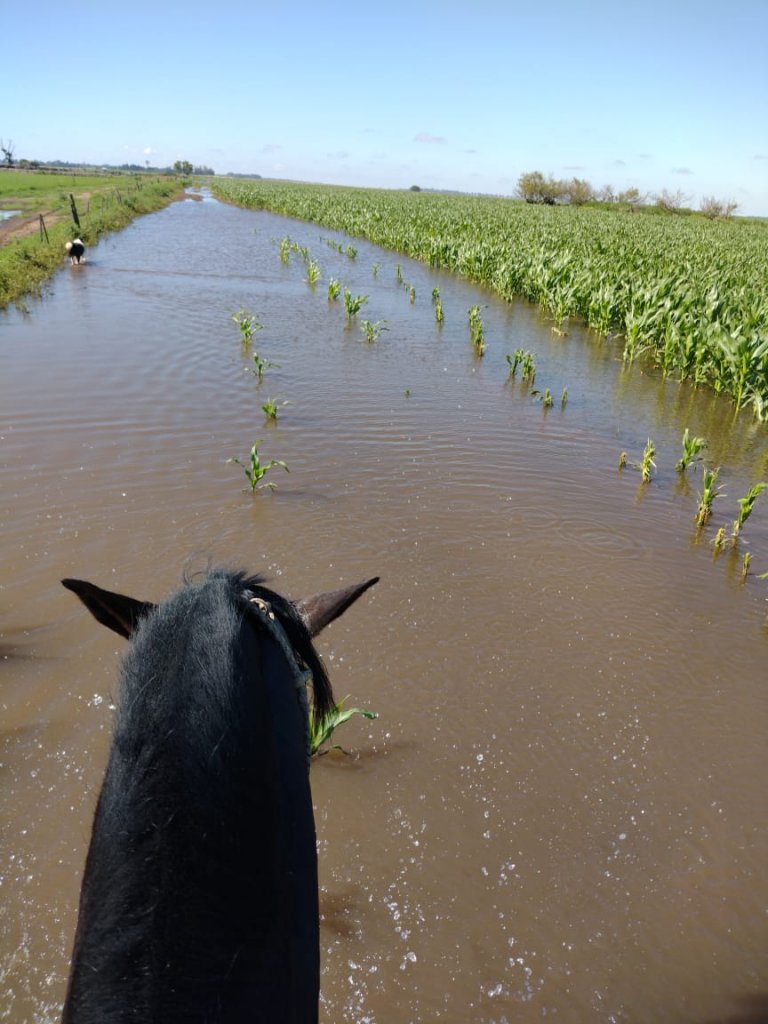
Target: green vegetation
<point>692,446</point>
<point>353,304</point>
<point>373,330</point>
<point>685,293</point>
<point>255,471</point>
<point>334,287</point>
<point>103,204</point>
<point>260,365</point>
<point>476,330</point>
<point>271,406</point>
<point>321,732</point>
<point>313,272</point>
<point>707,497</point>
<point>746,504</point>
<point>248,324</point>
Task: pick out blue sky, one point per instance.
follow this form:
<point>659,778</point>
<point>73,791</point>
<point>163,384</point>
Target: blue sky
<point>468,96</point>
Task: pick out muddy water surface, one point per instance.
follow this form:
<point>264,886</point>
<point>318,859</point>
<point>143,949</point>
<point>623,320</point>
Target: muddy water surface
<point>561,809</point>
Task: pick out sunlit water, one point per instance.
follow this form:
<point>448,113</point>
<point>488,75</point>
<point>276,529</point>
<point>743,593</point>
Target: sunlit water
<point>560,811</point>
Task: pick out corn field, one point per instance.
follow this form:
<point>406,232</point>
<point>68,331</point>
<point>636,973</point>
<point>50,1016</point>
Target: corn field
<point>688,294</point>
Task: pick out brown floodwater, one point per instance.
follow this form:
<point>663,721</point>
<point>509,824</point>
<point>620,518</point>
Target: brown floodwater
<point>561,808</point>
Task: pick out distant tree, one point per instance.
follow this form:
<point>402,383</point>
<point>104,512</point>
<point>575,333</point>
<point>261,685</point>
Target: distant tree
<point>8,152</point>
<point>578,191</point>
<point>672,202</point>
<point>182,167</point>
<point>415,188</point>
<point>533,187</point>
<point>606,194</point>
<point>714,208</point>
<point>631,197</point>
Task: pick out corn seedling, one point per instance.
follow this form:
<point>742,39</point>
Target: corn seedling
<point>707,496</point>
<point>271,406</point>
<point>622,460</point>
<point>334,288</point>
<point>399,274</point>
<point>691,448</point>
<point>528,367</point>
<point>746,504</point>
<point>321,731</point>
<point>412,294</point>
<point>719,542</point>
<point>407,392</point>
<point>260,365</point>
<point>351,251</point>
<point>375,269</point>
<point>353,305</point>
<point>564,398</point>
<point>435,296</point>
<point>248,324</point>
<point>313,273</point>
<point>438,312</point>
<point>548,400</point>
<point>373,330</point>
<point>285,249</point>
<point>476,331</point>
<point>647,464</point>
<point>513,361</point>
<point>745,566</point>
<point>255,471</point>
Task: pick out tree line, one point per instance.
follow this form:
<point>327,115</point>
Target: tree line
<point>534,187</point>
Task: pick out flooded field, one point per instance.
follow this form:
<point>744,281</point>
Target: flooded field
<point>561,808</point>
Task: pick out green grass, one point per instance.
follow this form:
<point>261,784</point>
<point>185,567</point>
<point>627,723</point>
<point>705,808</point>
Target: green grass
<point>26,263</point>
<point>684,293</point>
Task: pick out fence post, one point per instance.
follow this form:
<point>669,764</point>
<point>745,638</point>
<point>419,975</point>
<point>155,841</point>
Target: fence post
<point>43,230</point>
<point>75,217</point>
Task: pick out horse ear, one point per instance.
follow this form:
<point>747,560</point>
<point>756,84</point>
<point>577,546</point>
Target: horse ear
<point>319,610</point>
<point>115,611</point>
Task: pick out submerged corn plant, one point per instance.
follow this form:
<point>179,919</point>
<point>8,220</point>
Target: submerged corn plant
<point>513,361</point>
<point>476,330</point>
<point>271,406</point>
<point>260,365</point>
<point>548,400</point>
<point>564,398</point>
<point>647,464</point>
<point>334,287</point>
<point>745,566</point>
<point>746,504</point>
<point>285,249</point>
<point>353,304</point>
<point>351,251</point>
<point>321,732</point>
<point>438,312</point>
<point>373,330</point>
<point>375,269</point>
<point>255,471</point>
<point>248,324</point>
<point>707,497</point>
<point>692,446</point>
<point>313,272</point>
<point>528,367</point>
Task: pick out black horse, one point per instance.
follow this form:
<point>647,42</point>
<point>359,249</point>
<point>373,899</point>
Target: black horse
<point>199,900</point>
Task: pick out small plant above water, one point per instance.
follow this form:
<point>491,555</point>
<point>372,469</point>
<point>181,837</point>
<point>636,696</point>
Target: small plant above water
<point>707,496</point>
<point>351,252</point>
<point>248,324</point>
<point>692,446</point>
<point>476,331</point>
<point>746,504</point>
<point>271,406</point>
<point>375,269</point>
<point>353,304</point>
<point>285,249</point>
<point>645,465</point>
<point>373,330</point>
<point>260,365</point>
<point>313,272</point>
<point>255,471</point>
<point>412,294</point>
<point>321,732</point>
<point>564,398</point>
<point>439,312</point>
<point>334,288</point>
